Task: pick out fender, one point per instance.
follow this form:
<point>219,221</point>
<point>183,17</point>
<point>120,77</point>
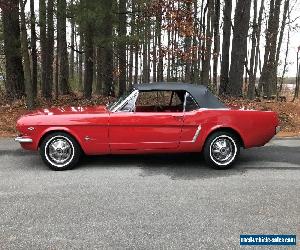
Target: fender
<point>208,130</point>
<point>57,129</point>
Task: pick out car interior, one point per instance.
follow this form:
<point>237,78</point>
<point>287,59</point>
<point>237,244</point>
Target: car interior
<point>161,101</point>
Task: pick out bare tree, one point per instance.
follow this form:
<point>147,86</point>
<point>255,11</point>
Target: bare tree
<point>254,60</point>
<point>62,47</point>
<point>72,52</point>
<point>216,44</point>
<point>45,87</point>
<point>297,88</point>
<point>205,79</point>
<point>224,78</point>
<point>268,79</point>
<point>26,58</point>
<point>122,46</point>
<point>33,48</point>
<point>239,47</point>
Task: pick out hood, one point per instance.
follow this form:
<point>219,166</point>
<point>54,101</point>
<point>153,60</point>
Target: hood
<point>62,116</point>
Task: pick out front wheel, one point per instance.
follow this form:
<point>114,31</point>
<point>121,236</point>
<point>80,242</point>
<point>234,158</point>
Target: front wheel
<point>221,150</point>
<point>60,151</point>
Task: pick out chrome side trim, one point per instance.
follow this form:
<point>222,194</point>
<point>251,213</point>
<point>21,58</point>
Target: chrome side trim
<point>196,134</point>
<point>23,140</point>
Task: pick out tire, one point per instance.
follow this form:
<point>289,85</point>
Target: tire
<point>221,150</point>
<point>60,151</point>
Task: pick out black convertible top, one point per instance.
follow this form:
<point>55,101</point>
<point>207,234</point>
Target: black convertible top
<point>201,94</point>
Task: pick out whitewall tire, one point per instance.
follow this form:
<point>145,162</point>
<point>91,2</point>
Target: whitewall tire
<point>60,151</point>
<point>221,150</point>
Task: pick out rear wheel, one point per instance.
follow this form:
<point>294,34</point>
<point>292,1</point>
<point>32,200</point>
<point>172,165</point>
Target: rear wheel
<point>60,151</point>
<point>221,150</point>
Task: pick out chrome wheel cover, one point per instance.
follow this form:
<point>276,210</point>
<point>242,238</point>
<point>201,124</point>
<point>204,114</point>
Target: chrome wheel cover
<point>59,151</point>
<point>223,150</point>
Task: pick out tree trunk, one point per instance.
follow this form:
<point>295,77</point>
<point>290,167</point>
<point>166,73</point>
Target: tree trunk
<point>44,49</point>
<point>239,47</point>
<point>297,87</point>
<point>216,44</point>
<point>108,50</point>
<point>89,61</point>
<point>257,62</point>
<point>131,48</point>
<point>285,59</point>
<point>72,53</point>
<point>205,79</point>
<point>154,52</point>
<point>122,46</point>
<point>252,80</point>
<point>160,65</point>
<point>282,28</point>
<point>56,77</point>
<point>145,50</point>
<point>268,79</point>
<point>14,83</point>
<point>26,65</point>
<point>196,25</point>
<point>50,47</point>
<point>187,49</point>
<point>99,79</point>
<point>62,48</point>
<point>224,79</point>
<point>33,48</point>
<point>80,61</point>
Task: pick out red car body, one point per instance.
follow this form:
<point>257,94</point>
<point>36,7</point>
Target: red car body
<point>100,131</point>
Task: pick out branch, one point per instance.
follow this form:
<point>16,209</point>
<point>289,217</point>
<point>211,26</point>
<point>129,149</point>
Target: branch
<point>292,21</point>
<point>76,50</point>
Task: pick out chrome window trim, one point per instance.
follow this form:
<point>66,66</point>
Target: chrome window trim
<point>134,94</point>
<point>184,103</point>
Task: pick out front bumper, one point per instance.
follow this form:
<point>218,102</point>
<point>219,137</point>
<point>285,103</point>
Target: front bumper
<point>23,139</point>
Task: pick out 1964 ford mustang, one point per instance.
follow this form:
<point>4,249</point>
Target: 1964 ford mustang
<point>153,118</point>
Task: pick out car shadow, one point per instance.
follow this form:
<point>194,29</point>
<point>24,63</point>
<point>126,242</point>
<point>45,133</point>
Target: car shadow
<point>177,166</point>
<point>192,166</point>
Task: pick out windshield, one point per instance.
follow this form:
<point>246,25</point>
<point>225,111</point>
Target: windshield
<point>113,105</point>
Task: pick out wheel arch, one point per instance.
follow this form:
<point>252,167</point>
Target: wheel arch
<point>229,130</point>
<point>57,130</point>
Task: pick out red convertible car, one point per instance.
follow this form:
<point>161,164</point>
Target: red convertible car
<point>153,118</point>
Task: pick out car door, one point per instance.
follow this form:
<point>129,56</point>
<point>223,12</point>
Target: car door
<point>192,124</point>
<point>144,129</point>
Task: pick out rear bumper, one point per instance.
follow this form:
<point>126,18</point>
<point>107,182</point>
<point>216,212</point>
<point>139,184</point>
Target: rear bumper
<point>23,139</point>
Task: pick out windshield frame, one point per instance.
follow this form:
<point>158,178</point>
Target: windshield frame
<point>118,104</point>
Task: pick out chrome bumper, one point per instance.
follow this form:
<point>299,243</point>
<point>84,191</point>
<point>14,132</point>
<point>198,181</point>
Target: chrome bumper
<point>278,129</point>
<point>23,140</point>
